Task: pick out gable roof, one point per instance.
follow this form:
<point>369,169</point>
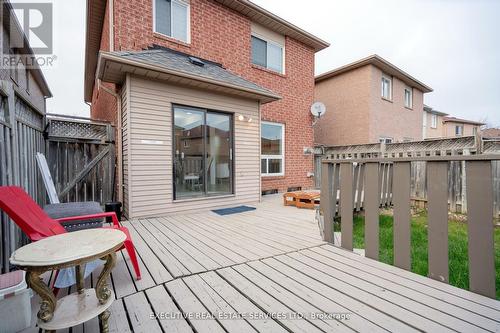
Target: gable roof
<point>464,121</point>
<point>95,19</point>
<point>380,63</point>
<point>170,65</point>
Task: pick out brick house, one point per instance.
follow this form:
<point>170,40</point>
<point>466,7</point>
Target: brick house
<point>438,124</point>
<point>369,101</point>
<point>24,86</point>
<point>193,87</point>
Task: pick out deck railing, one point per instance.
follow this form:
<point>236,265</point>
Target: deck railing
<point>339,181</point>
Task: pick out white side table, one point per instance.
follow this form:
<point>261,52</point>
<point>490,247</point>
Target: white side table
<point>71,250</point>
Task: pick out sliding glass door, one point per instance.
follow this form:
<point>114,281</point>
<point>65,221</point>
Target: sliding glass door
<point>203,149</point>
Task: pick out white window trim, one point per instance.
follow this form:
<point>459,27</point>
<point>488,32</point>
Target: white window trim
<point>270,41</point>
<point>434,120</point>
<point>388,78</point>
<point>411,97</point>
<point>188,30</point>
<point>461,130</point>
<point>282,156</point>
<point>385,138</point>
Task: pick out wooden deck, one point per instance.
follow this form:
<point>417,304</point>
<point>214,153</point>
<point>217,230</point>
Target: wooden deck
<point>258,271</point>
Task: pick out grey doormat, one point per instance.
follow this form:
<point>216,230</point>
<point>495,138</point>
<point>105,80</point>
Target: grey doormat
<point>233,210</point>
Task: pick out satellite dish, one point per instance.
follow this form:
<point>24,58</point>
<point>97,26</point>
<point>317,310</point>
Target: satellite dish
<point>318,109</point>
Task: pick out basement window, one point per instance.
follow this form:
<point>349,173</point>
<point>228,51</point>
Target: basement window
<point>171,18</point>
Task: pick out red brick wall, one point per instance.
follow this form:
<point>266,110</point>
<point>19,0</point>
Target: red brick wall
<point>223,35</point>
<point>104,105</point>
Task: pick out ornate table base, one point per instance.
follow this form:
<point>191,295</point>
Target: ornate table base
<point>78,307</point>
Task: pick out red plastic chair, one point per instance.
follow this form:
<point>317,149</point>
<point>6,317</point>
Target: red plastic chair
<point>36,224</point>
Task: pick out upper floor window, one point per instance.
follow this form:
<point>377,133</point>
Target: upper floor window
<point>272,143</point>
<point>267,54</point>
<point>434,121</point>
<point>386,87</point>
<point>27,76</point>
<point>171,18</point>
<point>14,66</point>
<point>459,130</point>
<point>408,98</point>
<point>385,139</point>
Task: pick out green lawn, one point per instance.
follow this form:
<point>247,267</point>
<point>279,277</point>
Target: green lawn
<point>457,242</point>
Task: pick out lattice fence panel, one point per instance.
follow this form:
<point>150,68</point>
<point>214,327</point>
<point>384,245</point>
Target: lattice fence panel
<point>77,130</point>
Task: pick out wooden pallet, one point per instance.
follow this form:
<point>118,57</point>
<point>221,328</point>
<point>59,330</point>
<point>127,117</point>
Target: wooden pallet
<point>301,199</point>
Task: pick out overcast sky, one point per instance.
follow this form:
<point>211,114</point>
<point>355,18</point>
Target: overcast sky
<point>451,45</point>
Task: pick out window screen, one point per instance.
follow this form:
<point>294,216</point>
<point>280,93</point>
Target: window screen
<point>162,17</point>
<point>179,21</point>
<point>275,57</point>
<point>259,51</point>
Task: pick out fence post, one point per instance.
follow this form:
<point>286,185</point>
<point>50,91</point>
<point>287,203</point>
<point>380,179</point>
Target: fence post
<point>437,185</point>
<point>480,228</point>
<point>346,205</point>
<point>401,200</point>
<point>371,206</point>
<point>327,201</point>
<point>14,178</point>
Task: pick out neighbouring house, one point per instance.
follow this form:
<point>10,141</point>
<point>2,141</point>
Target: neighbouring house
<point>491,133</point>
<point>23,88</point>
<point>433,126</point>
<point>460,127</point>
<point>369,101</point>
<point>210,99</point>
<point>438,124</point>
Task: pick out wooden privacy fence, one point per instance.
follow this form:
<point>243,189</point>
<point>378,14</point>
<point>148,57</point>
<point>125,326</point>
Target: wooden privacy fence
<point>457,194</point>
<point>80,154</point>
<point>81,158</point>
<point>479,189</point>
<point>21,137</point>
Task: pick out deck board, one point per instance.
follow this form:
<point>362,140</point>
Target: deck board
<point>267,265</point>
<point>162,303</point>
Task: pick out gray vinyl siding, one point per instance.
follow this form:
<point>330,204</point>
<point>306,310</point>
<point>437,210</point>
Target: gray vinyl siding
<point>149,186</point>
<point>125,145</point>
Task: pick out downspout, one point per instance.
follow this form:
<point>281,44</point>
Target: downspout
<point>119,157</point>
<point>111,26</point>
<point>118,140</point>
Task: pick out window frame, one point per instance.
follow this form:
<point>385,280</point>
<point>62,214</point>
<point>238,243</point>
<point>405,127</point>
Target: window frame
<point>14,70</point>
<point>273,157</point>
<point>461,130</point>
<point>389,79</point>
<point>385,139</point>
<point>188,21</point>
<point>268,41</point>
<point>410,90</point>
<point>232,148</point>
<point>434,120</point>
<point>27,76</point>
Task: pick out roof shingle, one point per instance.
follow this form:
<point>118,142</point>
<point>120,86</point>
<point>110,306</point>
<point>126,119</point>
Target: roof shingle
<point>180,62</point>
